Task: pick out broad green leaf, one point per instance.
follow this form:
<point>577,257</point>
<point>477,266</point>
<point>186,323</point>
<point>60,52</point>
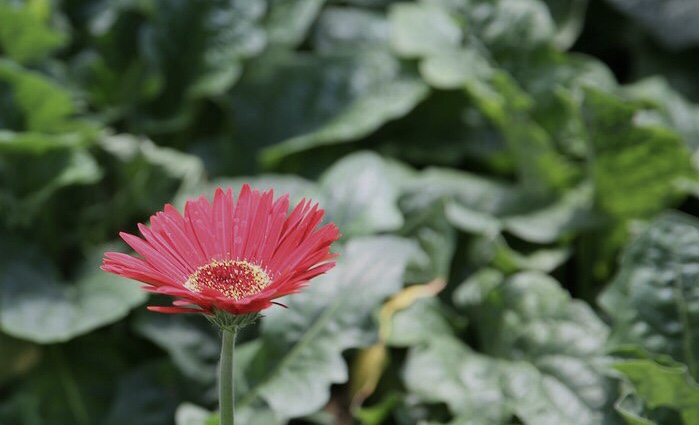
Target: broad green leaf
<point>542,168</point>
<point>420,29</point>
<point>25,36</point>
<point>545,347</point>
<point>190,341</point>
<point>663,386</point>
<point>301,354</point>
<point>361,117</point>
<point>445,370</point>
<point>472,221</point>
<point>675,23</point>
<point>455,69</point>
<point>39,307</point>
<point>569,215</point>
<point>211,38</point>
<point>346,29</point>
<point>653,300</point>
<point>515,25</point>
<point>30,180</point>
<point>635,169</point>
<point>148,395</point>
<point>360,196</point>
<point>477,193</point>
<point>288,21</point>
<point>569,16</point>
<point>431,229</point>
<point>147,176</point>
<point>187,169</point>
<point>153,61</point>
<point>669,108</point>
<point>303,101</point>
<point>422,321</point>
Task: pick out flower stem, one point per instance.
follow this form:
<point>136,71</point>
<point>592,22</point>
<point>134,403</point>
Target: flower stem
<point>225,380</point>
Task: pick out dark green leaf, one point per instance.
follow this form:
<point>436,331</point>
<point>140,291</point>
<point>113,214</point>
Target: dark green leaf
<point>288,20</point>
<point>45,105</point>
<point>653,301</point>
<point>675,23</point>
<point>36,306</point>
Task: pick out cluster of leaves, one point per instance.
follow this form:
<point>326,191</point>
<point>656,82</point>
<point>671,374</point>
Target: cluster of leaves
<point>509,253</point>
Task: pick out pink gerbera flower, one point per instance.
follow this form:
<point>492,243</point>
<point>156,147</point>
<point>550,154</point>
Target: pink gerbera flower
<point>228,256</point>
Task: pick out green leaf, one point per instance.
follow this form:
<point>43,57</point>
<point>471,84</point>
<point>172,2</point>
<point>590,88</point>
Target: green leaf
<point>45,105</point>
<point>455,69</point>
<point>653,301</point>
<point>445,370</point>
<point>190,341</point>
<point>422,321</point>
<point>480,194</point>
<point>542,168</point>
<point>668,108</point>
<point>663,386</point>
<point>428,226</point>
<point>496,252</point>
<point>38,307</point>
<point>516,25</point>
<point>25,36</point>
<point>147,395</point>
<point>569,16</point>
<point>358,119</point>
<point>420,29</point>
<point>626,407</point>
<point>360,196</point>
<point>675,23</point>
<point>72,385</point>
<point>301,354</point>
<point>37,142</point>
<point>30,180</point>
<point>635,169</point>
<point>544,346</point>
<point>211,38</point>
<point>302,101</point>
<point>569,215</point>
<point>146,175</point>
<point>348,29</point>
<point>288,21</point>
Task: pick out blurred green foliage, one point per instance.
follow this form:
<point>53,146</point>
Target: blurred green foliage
<point>521,156</point>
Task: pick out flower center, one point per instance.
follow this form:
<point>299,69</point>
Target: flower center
<point>233,278</point>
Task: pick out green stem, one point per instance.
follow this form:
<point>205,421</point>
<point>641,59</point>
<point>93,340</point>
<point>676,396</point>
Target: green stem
<point>225,380</point>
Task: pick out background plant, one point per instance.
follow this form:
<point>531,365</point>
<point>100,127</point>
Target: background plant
<point>514,180</point>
